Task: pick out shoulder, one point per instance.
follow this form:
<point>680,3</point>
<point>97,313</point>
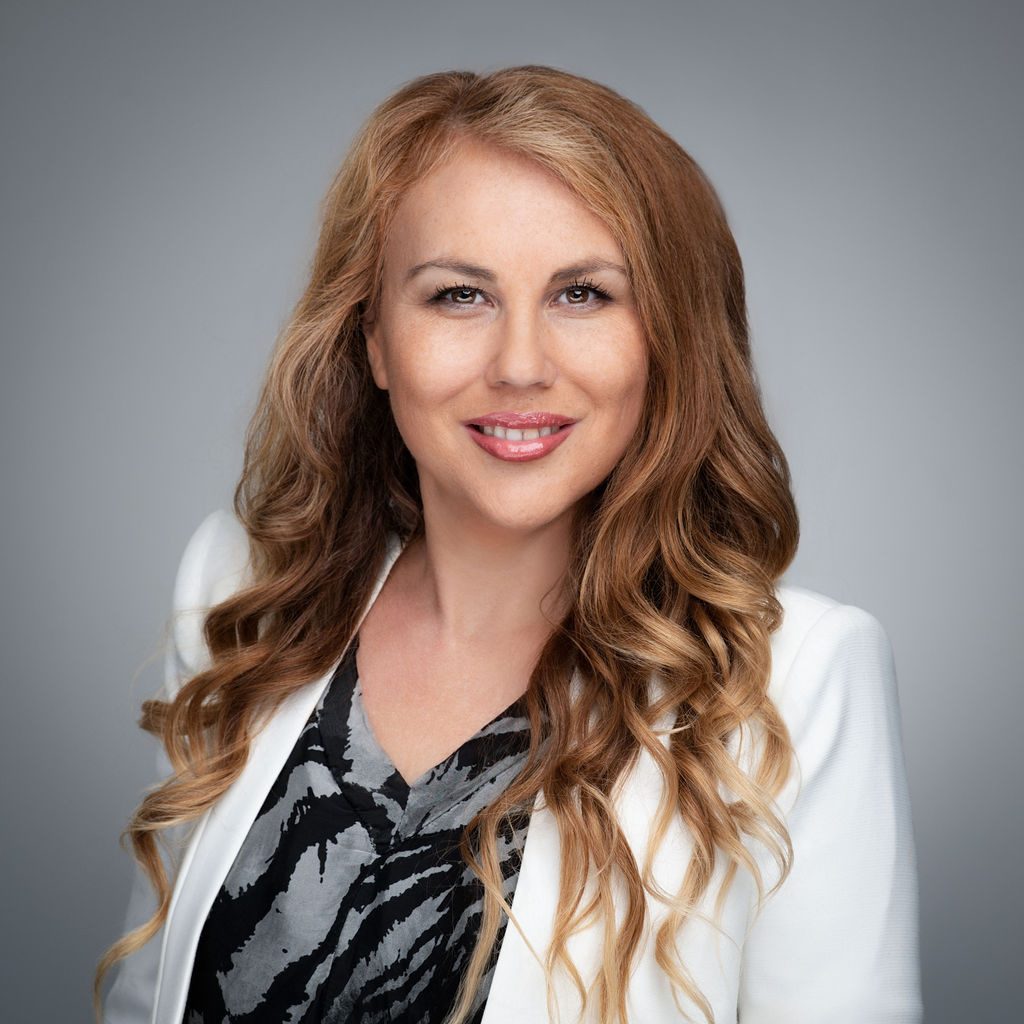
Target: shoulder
<point>834,681</point>
<point>817,632</point>
<point>215,559</point>
<point>214,564</point>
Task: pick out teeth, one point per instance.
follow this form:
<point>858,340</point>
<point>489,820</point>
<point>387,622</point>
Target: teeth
<point>508,434</point>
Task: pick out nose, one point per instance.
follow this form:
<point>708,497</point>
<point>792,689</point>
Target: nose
<point>521,357</point>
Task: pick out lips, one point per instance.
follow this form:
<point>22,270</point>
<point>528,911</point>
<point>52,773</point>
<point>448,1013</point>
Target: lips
<point>525,450</point>
<point>521,420</point>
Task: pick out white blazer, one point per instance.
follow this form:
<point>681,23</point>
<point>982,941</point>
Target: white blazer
<point>837,944</point>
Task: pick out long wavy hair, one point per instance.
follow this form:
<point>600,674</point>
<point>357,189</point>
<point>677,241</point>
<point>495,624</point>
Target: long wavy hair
<point>674,558</point>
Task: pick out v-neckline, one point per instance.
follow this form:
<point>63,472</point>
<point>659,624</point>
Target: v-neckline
<point>424,778</point>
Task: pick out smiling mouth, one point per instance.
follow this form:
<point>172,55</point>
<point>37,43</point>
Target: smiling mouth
<point>521,434</point>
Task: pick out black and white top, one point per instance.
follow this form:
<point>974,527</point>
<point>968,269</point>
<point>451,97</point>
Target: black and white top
<point>349,900</point>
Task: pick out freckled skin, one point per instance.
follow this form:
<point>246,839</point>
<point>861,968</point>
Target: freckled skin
<point>454,634</point>
<point>515,343</point>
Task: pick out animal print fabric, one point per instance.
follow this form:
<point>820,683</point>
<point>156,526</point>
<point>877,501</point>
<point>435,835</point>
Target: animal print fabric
<point>349,900</point>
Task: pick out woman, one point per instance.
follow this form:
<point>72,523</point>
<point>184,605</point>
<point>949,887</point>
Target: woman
<point>487,702</point>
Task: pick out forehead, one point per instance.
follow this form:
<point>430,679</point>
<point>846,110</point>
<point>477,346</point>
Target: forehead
<point>484,202</point>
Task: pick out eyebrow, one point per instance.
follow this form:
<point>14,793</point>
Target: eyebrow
<point>588,266</point>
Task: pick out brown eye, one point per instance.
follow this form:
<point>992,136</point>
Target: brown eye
<point>585,293</point>
<point>463,295</point>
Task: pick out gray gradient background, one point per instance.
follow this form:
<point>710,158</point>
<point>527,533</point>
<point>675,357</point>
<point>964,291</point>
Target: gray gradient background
<point>161,172</point>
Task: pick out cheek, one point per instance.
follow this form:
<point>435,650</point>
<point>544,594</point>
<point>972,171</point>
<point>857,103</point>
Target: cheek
<point>427,365</point>
<point>427,375</point>
<point>618,381</point>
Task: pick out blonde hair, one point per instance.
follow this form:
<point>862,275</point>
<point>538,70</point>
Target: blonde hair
<point>673,562</point>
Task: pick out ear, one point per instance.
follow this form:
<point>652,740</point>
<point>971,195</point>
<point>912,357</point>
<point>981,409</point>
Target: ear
<point>375,351</point>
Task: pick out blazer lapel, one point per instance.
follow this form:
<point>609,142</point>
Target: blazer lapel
<point>219,833</point>
<point>518,989</point>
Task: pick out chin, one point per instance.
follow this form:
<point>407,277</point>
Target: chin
<point>528,519</point>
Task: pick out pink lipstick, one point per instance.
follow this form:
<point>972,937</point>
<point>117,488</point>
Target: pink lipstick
<point>517,448</point>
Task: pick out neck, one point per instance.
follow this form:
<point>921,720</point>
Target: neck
<point>480,588</point>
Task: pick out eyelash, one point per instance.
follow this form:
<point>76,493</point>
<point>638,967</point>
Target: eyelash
<point>586,284</point>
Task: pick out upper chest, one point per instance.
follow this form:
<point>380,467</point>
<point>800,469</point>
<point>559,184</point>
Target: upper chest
<point>423,701</point>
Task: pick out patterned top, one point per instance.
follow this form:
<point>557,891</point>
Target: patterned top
<point>349,900</point>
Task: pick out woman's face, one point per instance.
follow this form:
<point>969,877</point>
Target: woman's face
<point>492,303</point>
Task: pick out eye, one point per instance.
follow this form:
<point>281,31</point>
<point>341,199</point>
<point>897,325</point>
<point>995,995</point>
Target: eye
<point>459,291</point>
<point>577,287</point>
<point>580,293</point>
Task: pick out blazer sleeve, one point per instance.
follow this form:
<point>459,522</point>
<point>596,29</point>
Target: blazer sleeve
<point>201,573</point>
<point>838,942</point>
